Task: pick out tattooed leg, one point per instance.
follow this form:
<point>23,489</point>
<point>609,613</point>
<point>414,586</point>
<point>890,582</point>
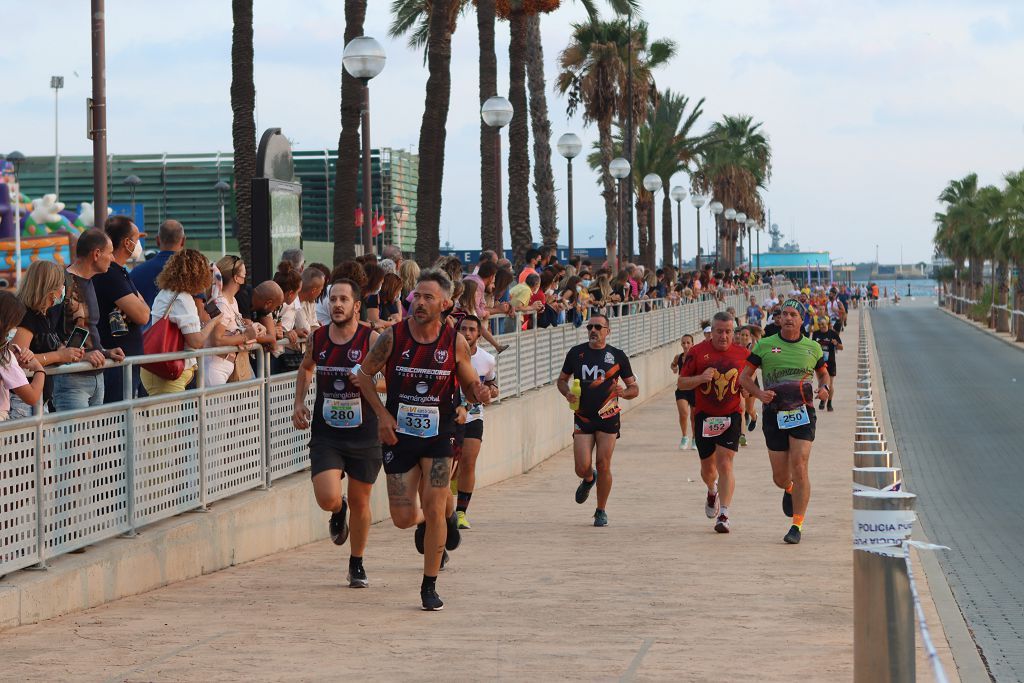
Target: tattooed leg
<point>436,493</point>
<point>402,496</point>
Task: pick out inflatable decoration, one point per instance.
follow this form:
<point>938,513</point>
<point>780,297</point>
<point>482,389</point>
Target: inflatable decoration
<point>46,218</point>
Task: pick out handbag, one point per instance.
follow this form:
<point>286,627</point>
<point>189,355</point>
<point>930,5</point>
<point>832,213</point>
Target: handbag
<point>243,369</point>
<point>164,337</point>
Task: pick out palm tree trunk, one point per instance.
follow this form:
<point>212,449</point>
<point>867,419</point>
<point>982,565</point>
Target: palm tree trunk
<point>243,122</point>
<point>433,134</point>
<point>667,252</point>
<point>543,177</point>
<point>652,236</point>
<point>518,142</point>
<point>490,202</point>
<point>611,205</point>
<point>641,228</point>
<point>346,168</point>
<point>1018,300</point>
<point>1003,285</point>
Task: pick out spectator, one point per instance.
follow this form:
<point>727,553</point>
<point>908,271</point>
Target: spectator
<point>466,304</point>
<point>388,266</point>
<point>93,254</point>
<point>123,311</point>
<point>186,274</point>
<point>370,310</point>
<point>12,377</point>
<point>390,309</point>
<point>485,256</point>
<point>313,281</point>
<point>504,264</point>
<point>394,253</point>
<point>453,268</point>
<point>754,313</point>
<point>522,299</point>
<point>42,287</point>
<point>233,330</point>
<point>170,239</point>
<point>409,271</point>
<point>296,258</point>
<point>484,280</point>
<point>532,259</point>
<point>267,301</point>
<point>293,324</point>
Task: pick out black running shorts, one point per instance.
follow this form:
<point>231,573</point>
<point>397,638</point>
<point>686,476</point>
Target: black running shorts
<point>778,439</point>
<point>729,439</point>
<point>585,425</point>
<point>406,454</point>
<point>360,463</point>
<point>686,395</point>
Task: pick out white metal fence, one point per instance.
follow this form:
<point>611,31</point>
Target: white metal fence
<point>74,478</point>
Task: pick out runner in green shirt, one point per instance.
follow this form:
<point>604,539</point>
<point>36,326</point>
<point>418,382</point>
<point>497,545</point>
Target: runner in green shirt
<point>788,360</point>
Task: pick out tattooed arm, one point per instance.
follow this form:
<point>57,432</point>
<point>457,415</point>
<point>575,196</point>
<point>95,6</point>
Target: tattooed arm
<point>374,363</point>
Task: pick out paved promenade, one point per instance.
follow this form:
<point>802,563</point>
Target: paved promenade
<point>535,592</point>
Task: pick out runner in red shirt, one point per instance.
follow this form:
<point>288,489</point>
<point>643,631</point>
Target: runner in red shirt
<point>713,369</point>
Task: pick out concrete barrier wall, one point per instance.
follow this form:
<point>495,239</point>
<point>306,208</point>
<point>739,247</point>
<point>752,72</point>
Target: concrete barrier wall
<point>519,434</point>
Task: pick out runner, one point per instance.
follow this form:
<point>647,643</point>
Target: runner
<point>344,430</point>
<point>787,361</point>
<point>755,336</point>
<point>422,357</point>
<point>471,432</point>
<point>836,310</point>
<point>713,368</point>
<point>829,340</point>
<point>684,399</point>
<point>598,367</point>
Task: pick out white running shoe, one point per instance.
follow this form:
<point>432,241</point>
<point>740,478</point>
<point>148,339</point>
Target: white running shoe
<point>722,525</point>
<point>693,444</point>
<point>711,504</point>
<point>684,443</point>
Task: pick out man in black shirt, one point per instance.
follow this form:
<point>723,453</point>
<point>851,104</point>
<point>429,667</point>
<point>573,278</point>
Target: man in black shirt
<point>123,311</point>
<point>597,367</point>
<point>830,342</point>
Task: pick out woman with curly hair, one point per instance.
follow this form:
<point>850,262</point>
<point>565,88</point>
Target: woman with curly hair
<point>185,275</point>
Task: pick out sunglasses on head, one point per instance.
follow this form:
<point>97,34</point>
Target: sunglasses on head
<point>595,327</point>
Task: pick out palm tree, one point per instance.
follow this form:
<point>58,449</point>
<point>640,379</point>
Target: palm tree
<point>734,164</point>
<point>243,122</point>
<point>543,177</point>
<point>346,168</point>
<point>490,233</point>
<point>1014,216</point>
<point>965,220</point>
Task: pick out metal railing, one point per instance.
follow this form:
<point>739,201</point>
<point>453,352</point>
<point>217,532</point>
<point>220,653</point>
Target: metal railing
<point>71,479</point>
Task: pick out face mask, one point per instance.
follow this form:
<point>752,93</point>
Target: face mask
<point>586,283</point>
<point>137,254</point>
<point>59,300</point>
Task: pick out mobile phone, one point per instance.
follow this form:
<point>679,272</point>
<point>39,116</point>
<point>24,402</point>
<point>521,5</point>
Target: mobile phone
<point>77,338</point>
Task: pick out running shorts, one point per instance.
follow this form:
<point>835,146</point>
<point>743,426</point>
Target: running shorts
<point>360,463</point>
<point>585,425</point>
<point>686,395</point>
<point>778,439</point>
<point>729,439</point>
<point>832,371</point>
<point>406,454</point>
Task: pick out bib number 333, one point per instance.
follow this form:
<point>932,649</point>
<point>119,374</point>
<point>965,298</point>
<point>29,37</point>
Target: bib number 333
<point>418,421</point>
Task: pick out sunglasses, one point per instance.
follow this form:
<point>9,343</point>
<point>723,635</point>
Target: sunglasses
<point>595,327</point>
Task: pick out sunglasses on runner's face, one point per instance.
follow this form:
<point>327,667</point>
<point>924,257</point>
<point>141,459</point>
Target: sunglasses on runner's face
<point>595,327</point>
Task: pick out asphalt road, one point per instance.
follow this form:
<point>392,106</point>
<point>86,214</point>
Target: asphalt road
<point>956,400</point>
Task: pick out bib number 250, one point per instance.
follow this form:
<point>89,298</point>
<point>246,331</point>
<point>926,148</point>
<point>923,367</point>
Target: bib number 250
<point>790,419</point>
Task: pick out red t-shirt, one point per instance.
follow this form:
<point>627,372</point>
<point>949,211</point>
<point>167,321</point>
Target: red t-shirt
<point>721,396</point>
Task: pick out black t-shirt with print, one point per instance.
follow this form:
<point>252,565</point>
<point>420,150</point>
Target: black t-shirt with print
<point>597,370</point>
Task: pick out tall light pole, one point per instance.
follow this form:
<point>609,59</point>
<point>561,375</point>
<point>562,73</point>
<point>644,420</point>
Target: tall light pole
<point>759,229</point>
<point>497,112</point>
<point>730,214</point>
<point>619,168</point>
<point>16,158</point>
<point>98,111</point>
<point>697,201</point>
<point>221,188</point>
<point>716,209</point>
<point>364,58</point>
<point>678,193</point>
<point>569,146</point>
<point>56,82</point>
<point>741,221</point>
<point>652,183</point>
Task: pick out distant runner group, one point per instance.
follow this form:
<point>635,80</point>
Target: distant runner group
<point>427,432</point>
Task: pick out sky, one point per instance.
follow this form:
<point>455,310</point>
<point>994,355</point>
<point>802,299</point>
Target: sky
<point>870,107</point>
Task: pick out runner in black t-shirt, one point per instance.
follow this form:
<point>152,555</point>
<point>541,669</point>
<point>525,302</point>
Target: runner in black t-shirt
<point>598,367</point>
<point>344,428</point>
<point>830,342</point>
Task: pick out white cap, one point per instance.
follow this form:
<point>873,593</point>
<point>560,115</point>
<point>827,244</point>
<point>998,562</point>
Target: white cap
<point>707,330</point>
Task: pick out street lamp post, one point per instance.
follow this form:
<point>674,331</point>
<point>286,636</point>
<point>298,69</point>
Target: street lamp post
<point>652,183</point>
<point>698,202</point>
<point>741,221</point>
<point>497,112</point>
<point>759,229</point>
<point>678,193</point>
<point>750,254</point>
<point>730,214</point>
<point>221,188</point>
<point>569,146</point>
<point>56,82</point>
<point>716,208</point>
<point>132,182</point>
<point>364,58</point>
<point>619,168</point>
<point>16,158</point>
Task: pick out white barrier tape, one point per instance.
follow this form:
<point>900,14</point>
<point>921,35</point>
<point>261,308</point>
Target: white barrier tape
<point>926,637</point>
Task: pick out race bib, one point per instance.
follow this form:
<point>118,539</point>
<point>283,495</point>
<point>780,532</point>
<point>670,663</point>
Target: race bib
<point>343,413</point>
<point>824,356</point>
<point>789,419</point>
<point>715,426</point>
<point>419,421</point>
<point>609,409</point>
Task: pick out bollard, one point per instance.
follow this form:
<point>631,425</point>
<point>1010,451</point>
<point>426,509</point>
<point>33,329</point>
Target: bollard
<point>873,459</point>
<point>875,445</point>
<point>877,478</point>
<point>883,605</point>
<point>868,435</point>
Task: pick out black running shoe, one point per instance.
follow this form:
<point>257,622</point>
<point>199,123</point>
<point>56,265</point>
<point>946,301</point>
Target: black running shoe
<point>454,535</point>
<point>828,406</point>
<point>357,577</point>
<point>787,504</point>
<point>444,559</point>
<point>338,524</point>
<point>821,405</point>
<point>431,600</point>
<point>752,424</point>
<point>793,537</point>
<point>583,490</point>
<point>421,533</point>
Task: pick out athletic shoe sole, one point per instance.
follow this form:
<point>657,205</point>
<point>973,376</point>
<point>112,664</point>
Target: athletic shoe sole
<point>358,583</point>
<point>722,527</point>
<point>431,606</point>
<point>583,490</point>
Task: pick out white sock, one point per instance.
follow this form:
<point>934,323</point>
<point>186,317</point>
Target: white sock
<point>723,510</point>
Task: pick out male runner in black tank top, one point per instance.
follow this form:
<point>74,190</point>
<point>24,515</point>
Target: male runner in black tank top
<point>344,428</point>
<point>423,358</point>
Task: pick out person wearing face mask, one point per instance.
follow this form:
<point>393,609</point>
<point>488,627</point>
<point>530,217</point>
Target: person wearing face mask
<point>123,311</point>
<point>42,288</point>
